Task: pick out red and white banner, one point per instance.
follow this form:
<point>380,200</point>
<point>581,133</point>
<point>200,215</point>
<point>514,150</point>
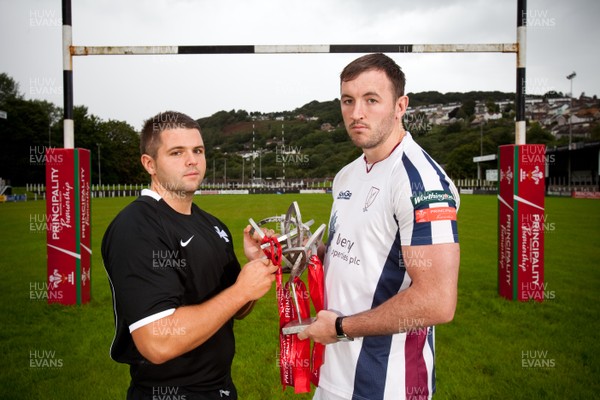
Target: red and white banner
<point>85,223</point>
<point>505,221</point>
<point>298,366</point>
<point>69,234</point>
<point>585,195</point>
<point>520,222</point>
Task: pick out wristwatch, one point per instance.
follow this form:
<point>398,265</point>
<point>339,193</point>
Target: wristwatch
<point>341,336</point>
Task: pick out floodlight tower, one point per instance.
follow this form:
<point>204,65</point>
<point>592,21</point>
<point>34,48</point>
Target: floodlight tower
<point>570,77</point>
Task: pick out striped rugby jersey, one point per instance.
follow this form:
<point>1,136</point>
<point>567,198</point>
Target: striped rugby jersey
<point>405,200</point>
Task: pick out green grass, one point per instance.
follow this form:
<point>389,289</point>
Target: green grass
<point>479,354</point>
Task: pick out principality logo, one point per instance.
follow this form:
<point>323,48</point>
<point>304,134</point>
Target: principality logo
<point>536,175</point>
<point>435,214</point>
<point>86,276</point>
<point>432,196</point>
<point>56,279</point>
<point>508,175</point>
<point>344,195</point>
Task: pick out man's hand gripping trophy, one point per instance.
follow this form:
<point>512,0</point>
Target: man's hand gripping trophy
<point>297,244</point>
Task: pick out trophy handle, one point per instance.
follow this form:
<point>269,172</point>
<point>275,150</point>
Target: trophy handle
<point>297,326</point>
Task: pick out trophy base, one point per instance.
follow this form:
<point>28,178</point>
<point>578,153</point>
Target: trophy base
<point>293,327</point>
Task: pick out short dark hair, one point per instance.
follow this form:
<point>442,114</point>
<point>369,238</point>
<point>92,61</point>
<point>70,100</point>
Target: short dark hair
<point>380,62</point>
<point>154,126</point>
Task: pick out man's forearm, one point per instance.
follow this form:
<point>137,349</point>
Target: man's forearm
<point>405,311</point>
<point>188,327</point>
<point>197,323</point>
<point>245,310</point>
<point>430,299</point>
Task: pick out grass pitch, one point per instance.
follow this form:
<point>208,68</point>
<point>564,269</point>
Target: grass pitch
<point>493,349</point>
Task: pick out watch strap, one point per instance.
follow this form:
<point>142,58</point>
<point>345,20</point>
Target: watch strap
<point>339,330</point>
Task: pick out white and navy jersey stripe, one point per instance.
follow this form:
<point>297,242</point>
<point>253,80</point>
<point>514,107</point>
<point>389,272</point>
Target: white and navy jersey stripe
<point>404,200</point>
<point>430,187</point>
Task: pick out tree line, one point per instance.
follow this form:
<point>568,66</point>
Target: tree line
<point>293,142</point>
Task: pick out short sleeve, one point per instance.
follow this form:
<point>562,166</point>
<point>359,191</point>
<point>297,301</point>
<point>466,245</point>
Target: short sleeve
<point>135,253</point>
<point>425,201</point>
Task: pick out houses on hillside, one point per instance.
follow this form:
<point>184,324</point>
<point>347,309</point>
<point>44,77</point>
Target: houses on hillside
<point>563,117</point>
<point>560,116</point>
<point>553,114</point>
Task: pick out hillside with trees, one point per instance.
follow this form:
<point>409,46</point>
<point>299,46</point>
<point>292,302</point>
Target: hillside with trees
<point>33,126</point>
<point>309,142</point>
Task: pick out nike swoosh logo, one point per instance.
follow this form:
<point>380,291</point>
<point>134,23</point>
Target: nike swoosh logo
<point>183,244</point>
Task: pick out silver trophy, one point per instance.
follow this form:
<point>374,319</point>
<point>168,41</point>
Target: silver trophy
<point>298,243</point>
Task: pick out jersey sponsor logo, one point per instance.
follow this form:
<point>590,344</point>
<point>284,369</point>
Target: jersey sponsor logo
<point>344,195</point>
<point>373,192</point>
<point>432,196</point>
<point>435,214</point>
<point>345,250</point>
<point>183,244</point>
<point>222,234</point>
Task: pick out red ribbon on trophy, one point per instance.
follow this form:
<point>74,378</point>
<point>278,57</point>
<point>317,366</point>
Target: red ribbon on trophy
<point>316,286</point>
<point>298,366</point>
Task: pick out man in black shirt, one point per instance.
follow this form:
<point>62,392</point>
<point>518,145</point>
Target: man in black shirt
<point>176,282</point>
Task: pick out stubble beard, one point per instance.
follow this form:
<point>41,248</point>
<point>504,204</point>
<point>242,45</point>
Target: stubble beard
<point>178,189</point>
<point>379,135</point>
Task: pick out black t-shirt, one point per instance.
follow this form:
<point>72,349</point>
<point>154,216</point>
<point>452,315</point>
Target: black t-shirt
<point>157,260</point>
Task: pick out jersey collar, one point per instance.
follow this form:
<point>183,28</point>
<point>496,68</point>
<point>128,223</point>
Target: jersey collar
<point>151,193</point>
<point>369,167</point>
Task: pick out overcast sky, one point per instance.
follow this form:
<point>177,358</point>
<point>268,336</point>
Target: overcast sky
<point>562,37</point>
